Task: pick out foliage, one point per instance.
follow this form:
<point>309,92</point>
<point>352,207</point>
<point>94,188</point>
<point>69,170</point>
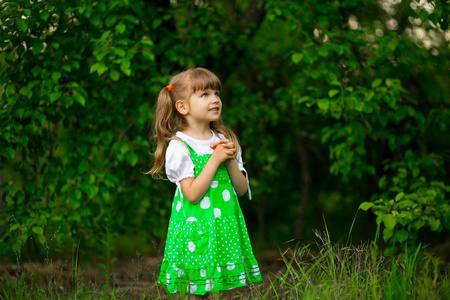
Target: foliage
<point>328,98</point>
<point>72,133</point>
<point>355,70</point>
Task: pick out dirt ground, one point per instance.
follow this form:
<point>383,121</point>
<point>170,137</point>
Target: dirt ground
<point>132,278</point>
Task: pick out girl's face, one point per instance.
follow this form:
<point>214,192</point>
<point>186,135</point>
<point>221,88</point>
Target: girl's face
<point>205,106</point>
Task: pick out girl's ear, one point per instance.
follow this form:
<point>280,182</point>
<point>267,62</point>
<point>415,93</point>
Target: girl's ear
<point>182,107</point>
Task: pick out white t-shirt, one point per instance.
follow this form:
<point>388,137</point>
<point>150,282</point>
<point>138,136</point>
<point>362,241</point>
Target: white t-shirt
<point>179,164</point>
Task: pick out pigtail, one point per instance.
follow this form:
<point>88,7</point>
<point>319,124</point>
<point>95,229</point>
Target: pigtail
<point>162,130</point>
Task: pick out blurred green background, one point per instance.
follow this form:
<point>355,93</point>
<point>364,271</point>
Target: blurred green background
<point>337,104</point>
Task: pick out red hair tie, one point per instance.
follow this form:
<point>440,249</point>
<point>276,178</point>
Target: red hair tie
<point>169,87</point>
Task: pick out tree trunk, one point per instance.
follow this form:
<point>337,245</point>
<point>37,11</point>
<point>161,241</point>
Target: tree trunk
<point>306,185</point>
<point>1,198</point>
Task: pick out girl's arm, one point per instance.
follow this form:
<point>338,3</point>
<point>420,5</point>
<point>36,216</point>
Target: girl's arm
<point>237,178</point>
<point>194,188</point>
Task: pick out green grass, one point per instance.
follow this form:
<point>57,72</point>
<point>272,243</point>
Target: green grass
<point>322,270</point>
<point>357,272</point>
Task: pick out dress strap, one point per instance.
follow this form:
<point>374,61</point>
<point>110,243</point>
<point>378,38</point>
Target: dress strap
<point>191,150</point>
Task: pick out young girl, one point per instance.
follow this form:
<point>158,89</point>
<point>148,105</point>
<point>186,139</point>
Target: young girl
<point>207,247</point>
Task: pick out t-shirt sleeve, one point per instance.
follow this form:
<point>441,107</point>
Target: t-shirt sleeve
<point>179,164</point>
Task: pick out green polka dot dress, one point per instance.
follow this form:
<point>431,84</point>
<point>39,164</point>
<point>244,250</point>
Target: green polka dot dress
<point>207,247</point>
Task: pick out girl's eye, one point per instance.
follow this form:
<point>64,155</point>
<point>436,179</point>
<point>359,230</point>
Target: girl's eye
<point>217,94</point>
<point>205,95</point>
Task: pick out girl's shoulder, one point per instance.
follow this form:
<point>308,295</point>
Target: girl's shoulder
<point>176,144</point>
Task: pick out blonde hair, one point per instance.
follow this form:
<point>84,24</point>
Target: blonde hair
<point>168,120</point>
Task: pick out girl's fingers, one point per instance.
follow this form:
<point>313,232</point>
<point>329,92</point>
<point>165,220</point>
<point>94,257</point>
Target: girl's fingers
<point>225,143</point>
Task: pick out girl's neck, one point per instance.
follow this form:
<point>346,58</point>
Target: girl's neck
<point>199,132</point>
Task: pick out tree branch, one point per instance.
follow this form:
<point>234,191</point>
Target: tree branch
<point>122,134</point>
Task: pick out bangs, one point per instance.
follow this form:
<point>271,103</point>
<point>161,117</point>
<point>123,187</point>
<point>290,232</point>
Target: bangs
<point>202,79</point>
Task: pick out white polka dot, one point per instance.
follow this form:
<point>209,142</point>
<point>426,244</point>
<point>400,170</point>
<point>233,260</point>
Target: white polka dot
<point>202,273</point>
<point>230,266</point>
<point>178,205</point>
<point>214,184</point>
<point>242,277</point>
<point>191,219</point>
<point>219,269</point>
<point>226,195</point>
<point>192,287</point>
<point>168,277</point>
<point>217,213</point>
<point>191,246</point>
<point>180,272</point>
<point>205,203</point>
<point>209,285</point>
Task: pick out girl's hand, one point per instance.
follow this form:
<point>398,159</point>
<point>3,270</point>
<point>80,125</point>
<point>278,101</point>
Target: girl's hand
<point>223,150</point>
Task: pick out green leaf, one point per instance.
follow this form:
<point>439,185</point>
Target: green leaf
<point>80,99</point>
<point>105,36</point>
<point>56,76</point>
<point>147,42</point>
<point>332,93</point>
<point>389,221</point>
<point>125,67</point>
<point>401,235</point>
<point>41,239</point>
<point>132,19</point>
<point>36,70</point>
<point>44,15</point>
<point>297,57</point>
<point>148,55</point>
<point>55,96</point>
<point>387,233</point>
<point>376,82</point>
<point>37,48</point>
<point>120,28</point>
<point>22,24</point>
<point>133,158</point>
<point>303,99</point>
<point>10,152</point>
<point>323,104</point>
<point>399,196</point>
<point>110,20</point>
<point>38,230</point>
<point>114,75</point>
<point>359,106</point>
<point>99,67</point>
<point>19,113</point>
<point>24,140</point>
<point>90,190</point>
<point>366,205</point>
<point>434,223</point>
<point>156,23</point>
<point>9,90</point>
